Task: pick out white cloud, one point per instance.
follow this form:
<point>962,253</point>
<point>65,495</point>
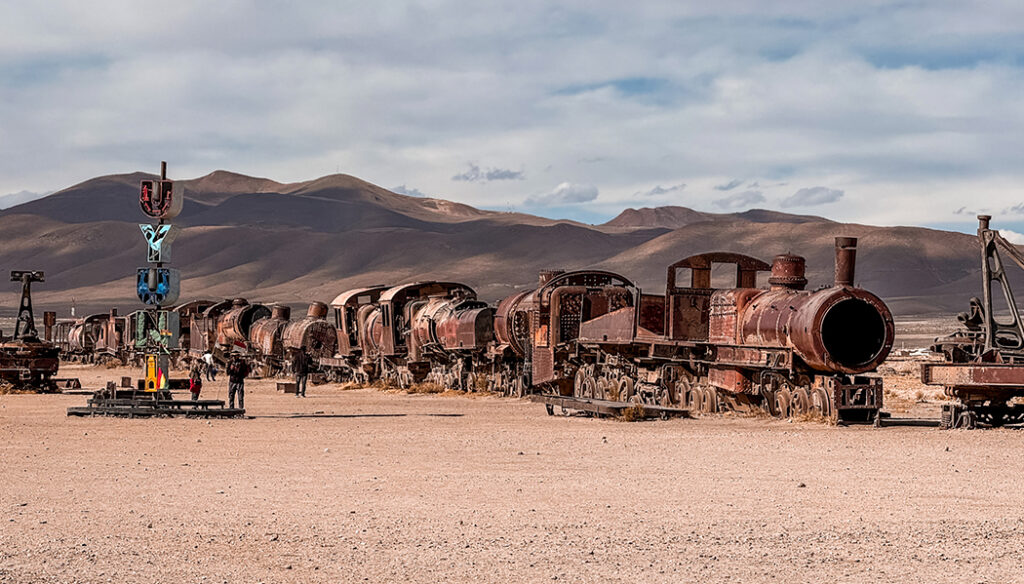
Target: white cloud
<point>564,194</point>
<point>1012,236</point>
<point>660,190</point>
<point>743,200</point>
<point>915,103</point>
<point>730,185</point>
<point>476,174</point>
<point>812,196</point>
<point>409,191</point>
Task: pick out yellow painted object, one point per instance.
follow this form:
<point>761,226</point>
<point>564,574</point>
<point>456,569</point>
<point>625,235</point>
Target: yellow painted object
<point>156,372</point>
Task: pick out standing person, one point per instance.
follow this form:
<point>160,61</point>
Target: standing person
<point>300,366</point>
<point>195,380</point>
<point>238,369</point>
<point>211,369</point>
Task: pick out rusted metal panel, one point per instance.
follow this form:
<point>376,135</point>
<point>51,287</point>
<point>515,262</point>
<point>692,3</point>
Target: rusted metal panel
<point>543,365</point>
<point>731,380</point>
<point>652,315</point>
<point>973,375</point>
<point>689,312</point>
<point>512,321</point>
<point>753,357</point>
<point>618,327</point>
<point>466,328</point>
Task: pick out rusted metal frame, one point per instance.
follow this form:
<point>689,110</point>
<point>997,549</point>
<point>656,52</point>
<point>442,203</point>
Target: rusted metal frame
<point>752,357</point>
<point>991,242</point>
<point>973,375</point>
<point>700,270</point>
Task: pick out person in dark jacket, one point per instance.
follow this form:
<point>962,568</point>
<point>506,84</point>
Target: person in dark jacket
<point>237,370</point>
<point>300,367</point>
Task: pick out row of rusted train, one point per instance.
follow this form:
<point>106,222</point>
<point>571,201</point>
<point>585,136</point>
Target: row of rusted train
<point>585,339</point>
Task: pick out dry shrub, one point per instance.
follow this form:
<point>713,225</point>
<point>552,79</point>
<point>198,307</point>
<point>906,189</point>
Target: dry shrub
<point>7,388</point>
<point>633,413</point>
<point>481,384</point>
<point>919,395</point>
<point>753,413</point>
<point>426,387</point>
<point>814,417</point>
<point>113,364</point>
<point>383,384</point>
<point>349,385</point>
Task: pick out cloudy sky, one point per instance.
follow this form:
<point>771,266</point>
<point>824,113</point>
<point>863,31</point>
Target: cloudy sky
<point>877,112</point>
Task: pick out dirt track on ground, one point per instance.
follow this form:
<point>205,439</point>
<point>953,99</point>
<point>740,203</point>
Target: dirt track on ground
<point>365,486</point>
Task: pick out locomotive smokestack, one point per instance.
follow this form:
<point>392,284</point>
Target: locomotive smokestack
<point>317,310</point>
<point>983,221</point>
<point>280,312</point>
<point>846,260</point>
<point>788,272</point>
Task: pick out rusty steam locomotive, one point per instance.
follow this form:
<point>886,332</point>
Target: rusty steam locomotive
<point>585,340</point>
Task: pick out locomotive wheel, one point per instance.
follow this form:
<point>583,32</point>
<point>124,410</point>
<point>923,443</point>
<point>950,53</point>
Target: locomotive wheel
<point>587,387</point>
<point>708,401</point>
<point>625,389</point>
<point>577,382</point>
<point>818,403</point>
<point>801,402</point>
<point>603,389</point>
<point>696,400</point>
<point>767,404</point>
<point>783,400</point>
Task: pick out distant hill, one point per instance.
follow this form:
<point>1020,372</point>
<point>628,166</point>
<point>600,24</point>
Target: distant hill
<point>297,242</point>
<point>672,217</point>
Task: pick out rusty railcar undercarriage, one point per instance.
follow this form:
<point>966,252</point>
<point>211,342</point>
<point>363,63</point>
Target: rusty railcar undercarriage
<point>26,361</point>
<point>984,367</point>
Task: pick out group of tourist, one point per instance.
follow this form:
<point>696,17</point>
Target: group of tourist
<point>238,369</point>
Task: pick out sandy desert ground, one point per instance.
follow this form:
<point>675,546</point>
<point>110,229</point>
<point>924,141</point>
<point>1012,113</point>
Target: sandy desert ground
<point>366,486</point>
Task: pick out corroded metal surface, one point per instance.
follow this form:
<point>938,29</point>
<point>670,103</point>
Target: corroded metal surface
<point>266,334</point>
<point>25,359</point>
<point>312,333</point>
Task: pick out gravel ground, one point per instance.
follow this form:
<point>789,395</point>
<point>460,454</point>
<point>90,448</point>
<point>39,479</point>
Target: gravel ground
<point>365,486</point>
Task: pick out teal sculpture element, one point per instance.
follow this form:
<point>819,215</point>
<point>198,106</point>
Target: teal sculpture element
<point>159,238</point>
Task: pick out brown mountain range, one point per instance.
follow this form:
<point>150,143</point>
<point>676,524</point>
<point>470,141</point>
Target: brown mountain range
<point>253,237</point>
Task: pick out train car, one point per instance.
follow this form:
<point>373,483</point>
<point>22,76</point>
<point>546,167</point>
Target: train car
<point>784,349</point>
<point>93,338</point>
<point>351,310</point>
<point>311,334</point>
<point>390,350</point>
<point>266,339</point>
<point>186,312</point>
<point>234,326</point>
<point>204,328</point>
<point>537,331</point>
